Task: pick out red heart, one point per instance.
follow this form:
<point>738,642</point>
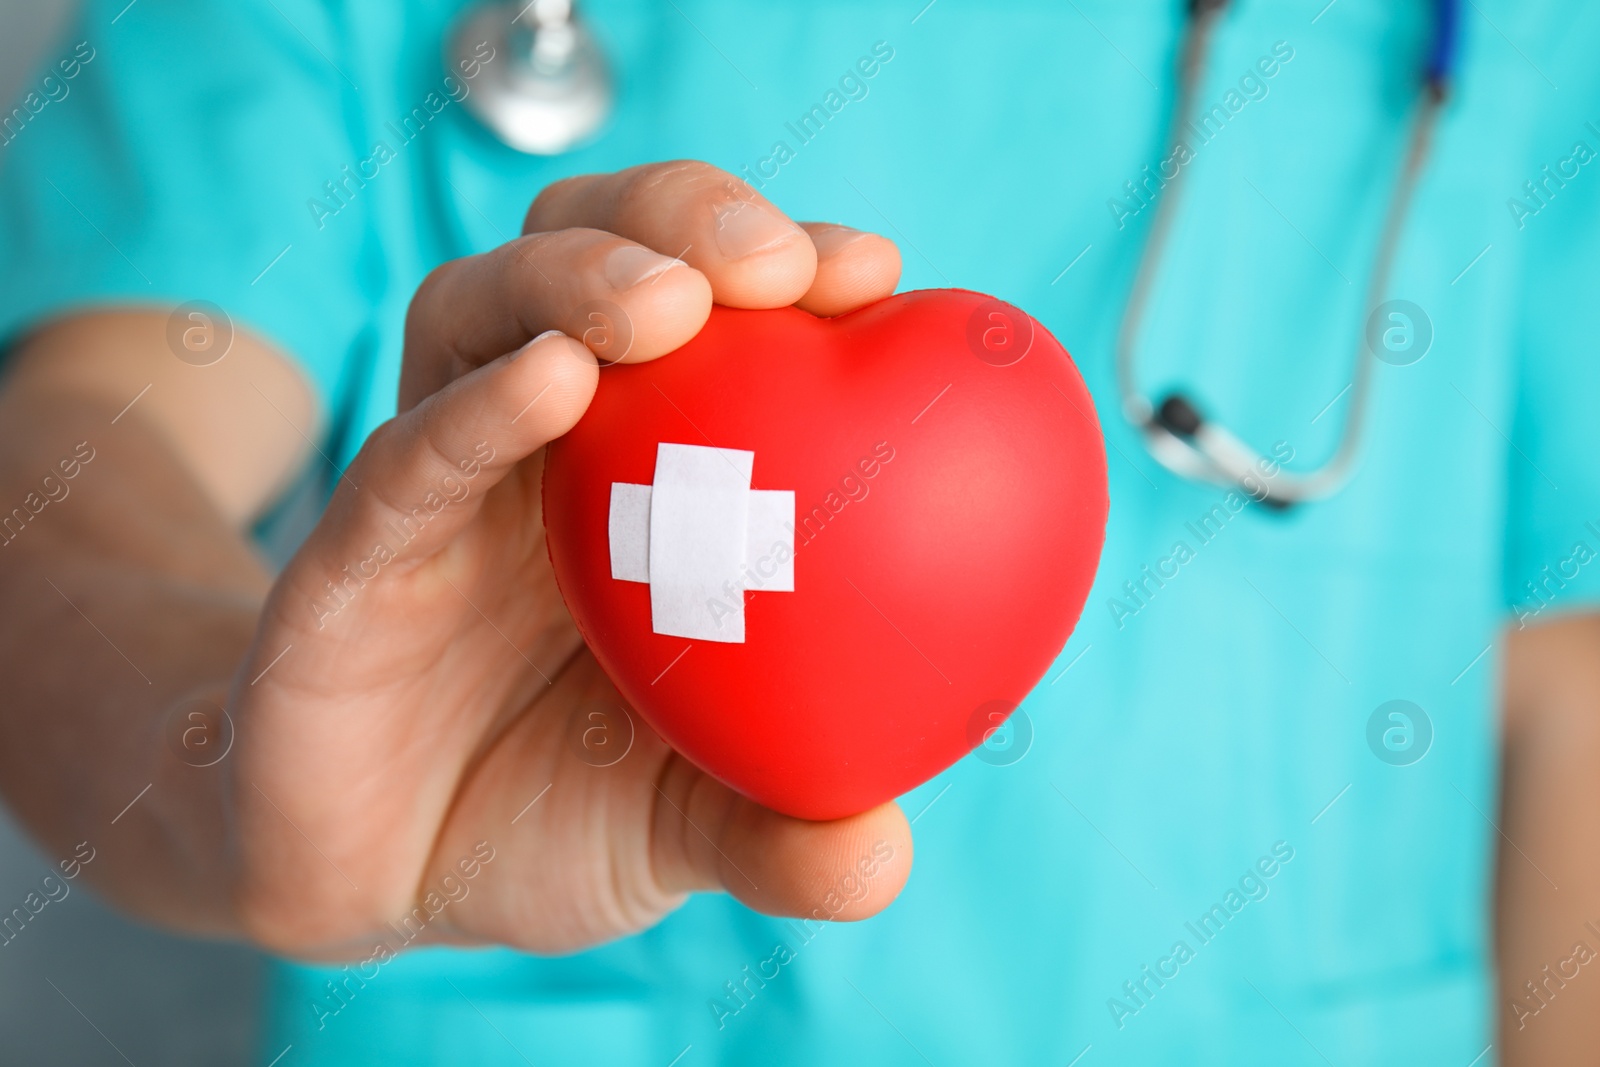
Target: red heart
<point>950,491</point>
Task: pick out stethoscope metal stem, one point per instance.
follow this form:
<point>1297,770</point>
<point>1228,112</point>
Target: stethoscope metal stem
<point>549,89</point>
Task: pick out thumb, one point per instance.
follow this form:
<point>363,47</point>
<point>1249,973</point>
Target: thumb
<point>428,470</point>
<point>707,837</point>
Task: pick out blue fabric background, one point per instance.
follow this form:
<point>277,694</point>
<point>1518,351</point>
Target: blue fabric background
<point>1173,746</point>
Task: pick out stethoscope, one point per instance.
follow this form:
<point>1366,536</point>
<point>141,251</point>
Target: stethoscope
<point>549,89</point>
<point>553,91</point>
<point>1176,434</point>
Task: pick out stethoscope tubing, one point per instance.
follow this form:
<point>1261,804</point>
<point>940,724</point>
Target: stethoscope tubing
<point>1174,433</point>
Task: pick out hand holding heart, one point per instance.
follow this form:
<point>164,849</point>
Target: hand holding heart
<point>438,701</point>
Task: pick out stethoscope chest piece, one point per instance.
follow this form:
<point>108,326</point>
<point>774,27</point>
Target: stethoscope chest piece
<point>547,89</point>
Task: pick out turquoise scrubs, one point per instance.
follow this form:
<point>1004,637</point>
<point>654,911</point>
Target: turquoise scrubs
<point>1219,846</point>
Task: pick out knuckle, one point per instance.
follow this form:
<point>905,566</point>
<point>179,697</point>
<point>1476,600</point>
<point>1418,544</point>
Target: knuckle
<point>588,249</point>
<point>547,247</point>
<point>518,262</point>
<point>428,315</point>
<point>379,448</point>
<point>369,461</point>
<point>631,195</point>
<point>546,204</point>
<point>425,457</point>
<point>689,172</point>
<point>389,453</point>
<point>430,294</point>
<point>642,187</point>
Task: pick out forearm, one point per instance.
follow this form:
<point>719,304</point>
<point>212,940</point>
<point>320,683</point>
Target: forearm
<point>127,593</point>
<point>1548,909</point>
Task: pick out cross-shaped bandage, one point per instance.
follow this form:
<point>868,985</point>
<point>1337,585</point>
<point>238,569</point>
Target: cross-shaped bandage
<point>700,536</point>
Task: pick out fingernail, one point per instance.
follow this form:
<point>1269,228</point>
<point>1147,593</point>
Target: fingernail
<point>835,239</point>
<point>743,229</point>
<point>542,337</point>
<point>631,265</point>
